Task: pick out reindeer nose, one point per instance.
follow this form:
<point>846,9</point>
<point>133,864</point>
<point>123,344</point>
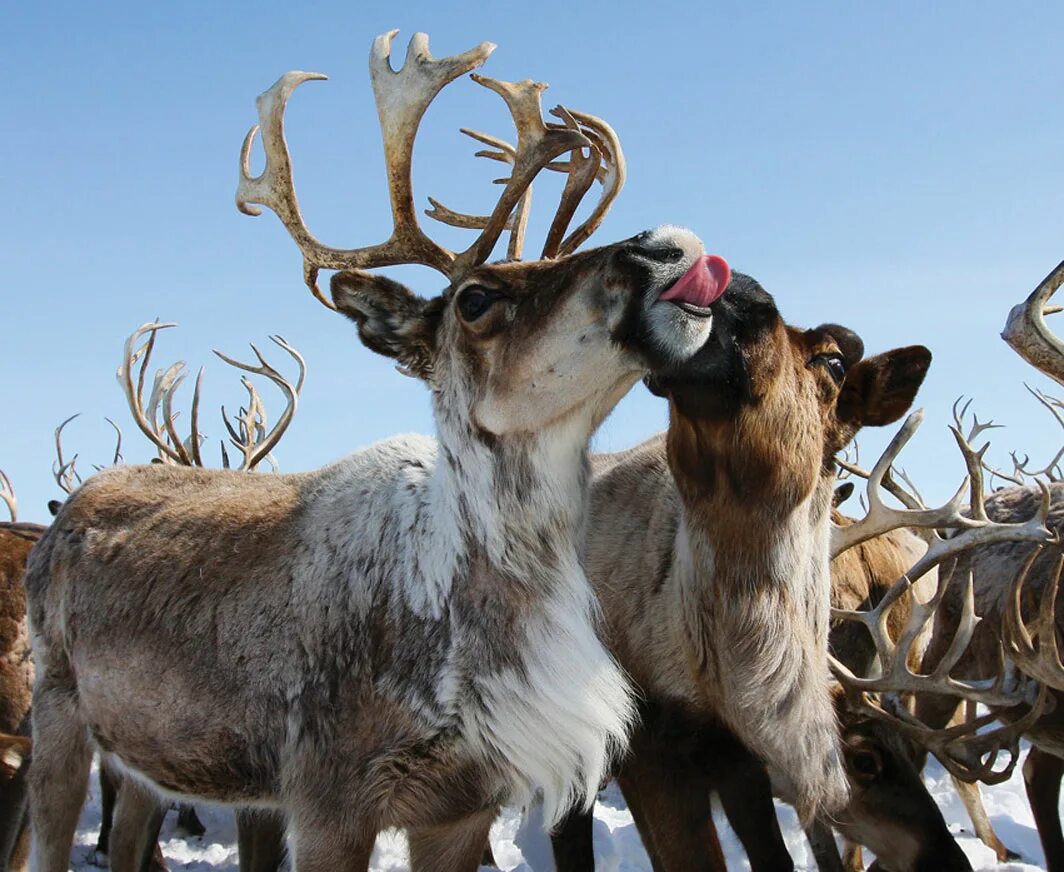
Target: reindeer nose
<point>667,244</point>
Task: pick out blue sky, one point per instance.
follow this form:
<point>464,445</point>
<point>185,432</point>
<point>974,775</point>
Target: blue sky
<point>898,168</point>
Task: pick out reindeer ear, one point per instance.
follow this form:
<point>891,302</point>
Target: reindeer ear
<point>842,493</point>
<point>881,389</point>
<point>391,319</point>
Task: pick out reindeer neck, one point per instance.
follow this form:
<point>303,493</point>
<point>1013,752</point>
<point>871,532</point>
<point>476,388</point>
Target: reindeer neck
<point>753,514</point>
<point>520,500</point>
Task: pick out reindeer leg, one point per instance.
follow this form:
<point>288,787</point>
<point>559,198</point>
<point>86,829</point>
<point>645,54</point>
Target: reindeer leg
<point>260,838</point>
<point>109,781</point>
<point>59,776</point>
<point>454,847</point>
<point>1041,774</point>
<point>746,793</point>
<point>134,841</point>
<point>673,811</point>
<point>572,842</point>
<point>329,849</point>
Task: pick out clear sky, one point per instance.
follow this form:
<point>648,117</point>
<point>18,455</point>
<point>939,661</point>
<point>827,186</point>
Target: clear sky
<point>898,168</point>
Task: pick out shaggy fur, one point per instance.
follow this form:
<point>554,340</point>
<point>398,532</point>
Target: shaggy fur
<point>708,547</point>
<point>16,682</point>
<point>405,638</point>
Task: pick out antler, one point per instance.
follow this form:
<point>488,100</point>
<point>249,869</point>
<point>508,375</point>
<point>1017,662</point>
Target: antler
<point>967,753</point>
<point>1041,659</point>
<point>970,518</point>
<point>963,750</point>
<point>1027,332</point>
<point>250,434</point>
<point>64,471</point>
<point>604,161</point>
<point>156,420</point>
<point>7,494</point>
<point>402,98</point>
<point>161,433</point>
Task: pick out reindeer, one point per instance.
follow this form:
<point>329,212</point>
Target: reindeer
<point>388,640</point>
<point>249,433</point>
<point>16,670</point>
<point>708,549</point>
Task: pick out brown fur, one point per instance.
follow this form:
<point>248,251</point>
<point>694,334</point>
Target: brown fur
<point>708,550</point>
<point>16,687</point>
<point>314,661</point>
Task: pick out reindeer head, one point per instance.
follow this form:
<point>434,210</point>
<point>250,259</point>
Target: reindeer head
<point>890,810</point>
<point>516,346</point>
<point>768,405</point>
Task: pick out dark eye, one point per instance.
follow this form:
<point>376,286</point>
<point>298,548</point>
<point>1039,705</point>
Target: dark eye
<point>474,301</point>
<point>865,763</point>
<point>834,363</point>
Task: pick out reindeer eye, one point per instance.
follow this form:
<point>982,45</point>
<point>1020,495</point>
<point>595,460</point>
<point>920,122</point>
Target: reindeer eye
<point>474,301</point>
<point>865,763</point>
<point>835,364</point>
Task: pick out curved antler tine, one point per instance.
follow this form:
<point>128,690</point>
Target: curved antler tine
<point>65,471</point>
<point>167,386</point>
<point>504,152</point>
<point>194,437</point>
<point>117,459</point>
<point>1027,333</point>
<point>7,494</point>
<point>134,393</point>
<point>257,446</point>
<point>1039,659</point>
<point>583,169</point>
<point>616,173</point>
<point>441,213</point>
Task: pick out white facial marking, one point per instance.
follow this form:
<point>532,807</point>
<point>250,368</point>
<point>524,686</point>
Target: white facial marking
<point>679,334</point>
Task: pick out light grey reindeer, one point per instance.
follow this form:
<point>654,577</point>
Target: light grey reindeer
<point>406,637</point>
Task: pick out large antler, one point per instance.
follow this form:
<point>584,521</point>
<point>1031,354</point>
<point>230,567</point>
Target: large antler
<point>964,750</point>
<point>65,471</point>
<point>1028,334</point>
<point>251,434</point>
<point>156,419</point>
<point>402,98</point>
<point>7,494</point>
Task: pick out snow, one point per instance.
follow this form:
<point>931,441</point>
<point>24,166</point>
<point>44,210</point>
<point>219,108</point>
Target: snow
<point>520,844</point>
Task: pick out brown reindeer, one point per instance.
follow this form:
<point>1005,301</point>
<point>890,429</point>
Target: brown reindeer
<point>708,548</point>
<point>890,808</point>
<point>386,641</point>
<point>249,434</point>
<point>16,676</point>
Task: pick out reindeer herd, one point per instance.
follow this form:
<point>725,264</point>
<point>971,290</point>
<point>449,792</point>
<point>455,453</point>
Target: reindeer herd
<point>433,628</point>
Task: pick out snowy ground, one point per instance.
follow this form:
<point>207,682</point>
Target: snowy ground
<point>521,846</point>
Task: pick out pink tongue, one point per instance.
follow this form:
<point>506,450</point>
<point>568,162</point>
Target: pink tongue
<point>703,283</point>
